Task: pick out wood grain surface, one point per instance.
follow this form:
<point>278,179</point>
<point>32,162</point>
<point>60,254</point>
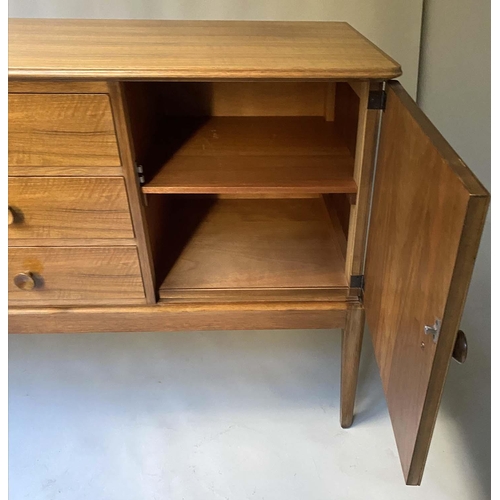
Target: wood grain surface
<point>135,196</point>
<point>164,317</point>
<point>132,49</point>
<point>352,338</point>
<point>366,144</point>
<point>247,244</point>
<point>254,175</point>
<point>237,98</point>
<point>61,130</point>
<point>76,276</point>
<point>251,155</point>
<point>252,136</point>
<point>57,87</point>
<point>64,171</point>
<point>427,217</point>
<point>69,207</point>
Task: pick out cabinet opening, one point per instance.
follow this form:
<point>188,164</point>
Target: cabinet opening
<point>249,187</point>
<point>230,248</point>
<point>244,137</point>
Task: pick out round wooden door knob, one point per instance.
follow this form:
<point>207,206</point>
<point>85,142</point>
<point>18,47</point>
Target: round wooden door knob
<point>461,347</point>
<point>25,281</point>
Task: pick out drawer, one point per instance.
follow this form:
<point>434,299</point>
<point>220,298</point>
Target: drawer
<point>61,130</point>
<point>68,207</point>
<point>74,275</point>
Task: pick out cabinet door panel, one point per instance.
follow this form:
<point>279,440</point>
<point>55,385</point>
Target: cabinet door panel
<point>427,216</point>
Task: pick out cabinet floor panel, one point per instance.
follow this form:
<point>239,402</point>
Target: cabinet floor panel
<point>250,155</point>
<point>244,248</point>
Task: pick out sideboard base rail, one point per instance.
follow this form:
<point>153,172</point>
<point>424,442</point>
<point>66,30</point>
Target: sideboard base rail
<point>176,317</point>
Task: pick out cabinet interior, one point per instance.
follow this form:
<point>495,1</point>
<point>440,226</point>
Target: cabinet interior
<point>248,185</point>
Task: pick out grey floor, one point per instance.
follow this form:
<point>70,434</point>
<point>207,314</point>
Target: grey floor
<point>221,415</point>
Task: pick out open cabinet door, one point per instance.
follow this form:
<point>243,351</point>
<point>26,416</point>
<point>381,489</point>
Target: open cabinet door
<point>427,216</point>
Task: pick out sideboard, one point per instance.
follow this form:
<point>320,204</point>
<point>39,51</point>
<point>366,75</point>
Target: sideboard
<point>173,175</point>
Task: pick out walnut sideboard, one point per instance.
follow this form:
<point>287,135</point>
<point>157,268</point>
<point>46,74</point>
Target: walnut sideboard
<point>168,175</point>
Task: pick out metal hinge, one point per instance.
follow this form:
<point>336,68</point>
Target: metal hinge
<point>377,99</point>
<point>140,173</point>
<point>142,180</point>
<point>358,281</point>
<point>433,330</point>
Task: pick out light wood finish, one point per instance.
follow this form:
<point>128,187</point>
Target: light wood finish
<point>366,144</point>
<point>258,152</point>
<point>340,204</point>
<point>427,218</point>
<point>265,196</point>
<point>135,196</point>
<point>161,318</point>
<point>252,155</point>
<point>244,98</point>
<point>297,295</point>
<point>221,244</point>
<point>64,171</point>
<point>336,223</point>
<point>61,130</point>
<point>352,337</point>
<point>126,49</point>
<point>254,175</point>
<point>357,87</point>
<point>57,87</point>
<point>347,110</point>
<point>252,136</point>
<point>72,242</point>
<point>77,276</point>
<point>12,215</point>
<point>329,110</point>
<point>77,207</point>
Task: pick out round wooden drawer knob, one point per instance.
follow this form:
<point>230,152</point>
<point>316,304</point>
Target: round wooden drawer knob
<point>461,347</point>
<point>12,215</point>
<point>25,281</point>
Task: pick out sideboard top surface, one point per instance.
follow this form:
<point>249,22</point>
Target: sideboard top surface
<point>131,49</point>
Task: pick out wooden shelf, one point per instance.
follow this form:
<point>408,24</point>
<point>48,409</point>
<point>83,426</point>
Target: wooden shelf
<point>246,249</point>
<point>242,155</point>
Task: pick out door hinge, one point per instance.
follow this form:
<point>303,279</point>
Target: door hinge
<point>358,281</point>
<point>140,173</point>
<point>140,177</point>
<point>433,330</point>
<point>377,99</point>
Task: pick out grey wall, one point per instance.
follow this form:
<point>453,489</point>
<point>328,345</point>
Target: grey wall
<point>454,91</point>
<point>394,25</point>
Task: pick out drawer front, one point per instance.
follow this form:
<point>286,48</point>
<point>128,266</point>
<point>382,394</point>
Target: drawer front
<point>74,276</point>
<point>68,207</point>
<point>61,130</point>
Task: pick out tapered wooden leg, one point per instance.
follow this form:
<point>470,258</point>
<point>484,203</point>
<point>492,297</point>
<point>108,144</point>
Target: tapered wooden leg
<point>352,338</point>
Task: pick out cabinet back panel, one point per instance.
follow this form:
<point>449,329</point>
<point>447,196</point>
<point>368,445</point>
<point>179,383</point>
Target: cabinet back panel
<point>245,98</point>
<point>252,244</point>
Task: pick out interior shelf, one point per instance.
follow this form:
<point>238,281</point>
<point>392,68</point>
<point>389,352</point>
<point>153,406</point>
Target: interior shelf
<point>250,154</point>
<point>227,248</point>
